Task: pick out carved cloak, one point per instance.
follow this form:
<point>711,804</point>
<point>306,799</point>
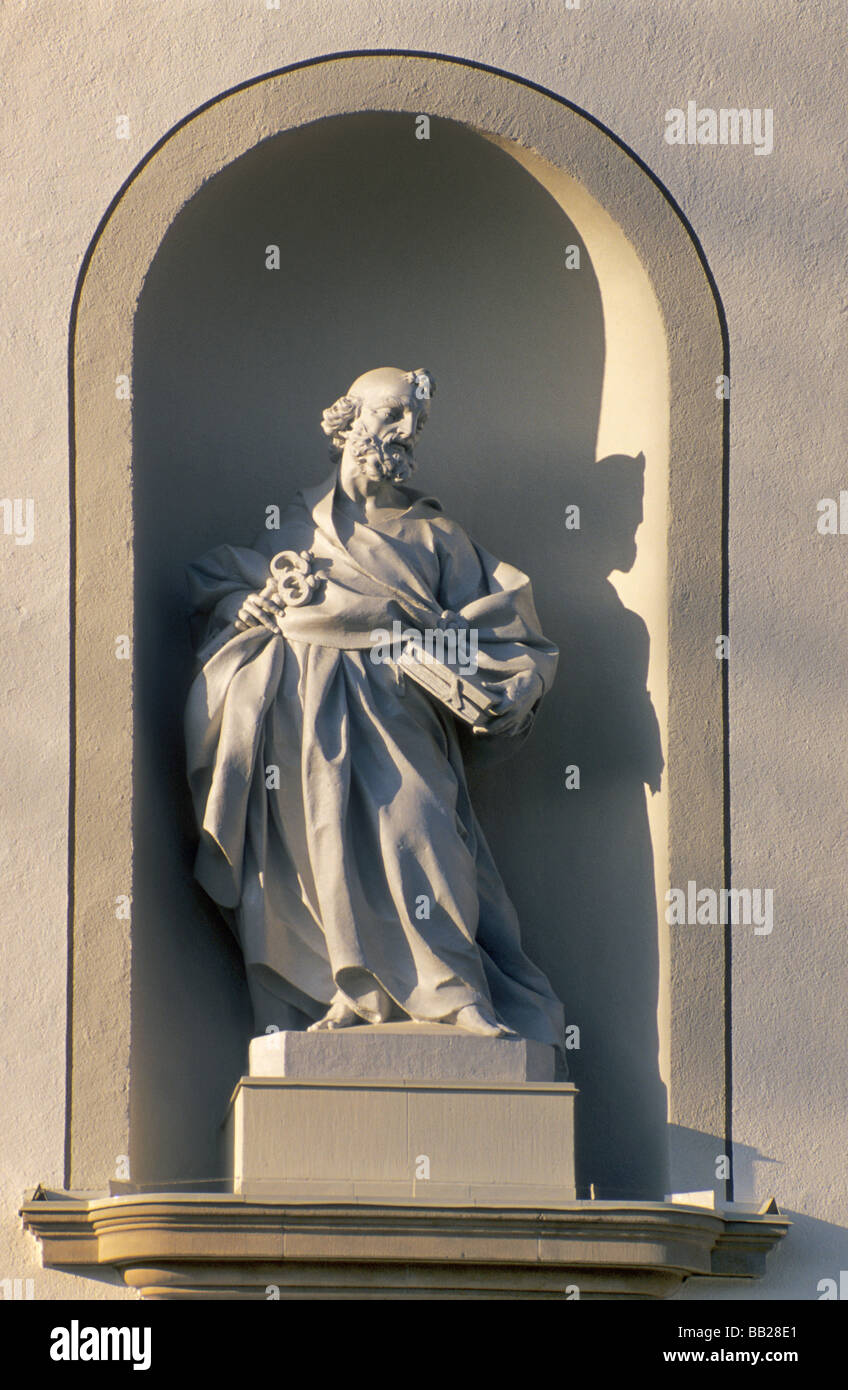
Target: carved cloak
<point>336,829</point>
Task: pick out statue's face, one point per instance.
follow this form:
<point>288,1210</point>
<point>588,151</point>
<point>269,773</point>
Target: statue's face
<point>382,438</point>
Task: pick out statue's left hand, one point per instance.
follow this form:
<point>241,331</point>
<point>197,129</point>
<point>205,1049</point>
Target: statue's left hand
<point>518,695</point>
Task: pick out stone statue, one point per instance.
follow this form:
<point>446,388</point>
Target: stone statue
<point>325,734</point>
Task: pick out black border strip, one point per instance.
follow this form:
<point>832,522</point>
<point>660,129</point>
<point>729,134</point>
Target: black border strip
<point>725,520</point>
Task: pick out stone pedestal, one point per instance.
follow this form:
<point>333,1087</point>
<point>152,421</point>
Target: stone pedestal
<point>401,1112</point>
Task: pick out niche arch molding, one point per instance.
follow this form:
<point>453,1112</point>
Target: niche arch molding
<point>627,221</point>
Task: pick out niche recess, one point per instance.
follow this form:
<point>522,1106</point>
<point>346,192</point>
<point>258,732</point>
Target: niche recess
<point>452,253</point>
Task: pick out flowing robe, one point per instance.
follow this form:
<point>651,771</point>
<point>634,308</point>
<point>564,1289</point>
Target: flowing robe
<point>361,861</point>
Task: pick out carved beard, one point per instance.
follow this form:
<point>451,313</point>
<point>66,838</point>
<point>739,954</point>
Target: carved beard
<point>381,460</point>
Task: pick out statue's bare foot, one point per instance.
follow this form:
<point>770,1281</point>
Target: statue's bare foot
<point>476,1020</point>
<point>339,1015</point>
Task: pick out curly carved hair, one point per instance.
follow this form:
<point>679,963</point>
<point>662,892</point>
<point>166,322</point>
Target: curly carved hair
<point>338,417</point>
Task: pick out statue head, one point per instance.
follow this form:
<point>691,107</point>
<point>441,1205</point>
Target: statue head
<point>376,423</point>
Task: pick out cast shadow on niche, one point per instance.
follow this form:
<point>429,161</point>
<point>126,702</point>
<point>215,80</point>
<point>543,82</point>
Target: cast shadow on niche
<point>596,870</point>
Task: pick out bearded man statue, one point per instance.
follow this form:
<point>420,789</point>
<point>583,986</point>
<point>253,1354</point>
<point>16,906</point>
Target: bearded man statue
<point>337,834</point>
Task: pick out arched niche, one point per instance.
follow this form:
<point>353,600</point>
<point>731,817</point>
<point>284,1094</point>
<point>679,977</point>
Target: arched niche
<point>543,370</point>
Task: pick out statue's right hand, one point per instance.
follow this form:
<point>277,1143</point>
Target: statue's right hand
<point>261,609</point>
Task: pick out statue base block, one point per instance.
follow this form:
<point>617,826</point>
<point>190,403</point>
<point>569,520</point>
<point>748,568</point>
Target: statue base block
<point>398,1113</point>
<point>400,1052</point>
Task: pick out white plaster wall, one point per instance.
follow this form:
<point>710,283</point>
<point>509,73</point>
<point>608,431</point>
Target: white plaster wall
<point>772,229</point>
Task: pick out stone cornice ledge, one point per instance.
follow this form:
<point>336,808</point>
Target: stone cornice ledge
<point>217,1245</point>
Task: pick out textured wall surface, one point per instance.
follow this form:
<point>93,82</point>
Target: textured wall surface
<point>772,229</point>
